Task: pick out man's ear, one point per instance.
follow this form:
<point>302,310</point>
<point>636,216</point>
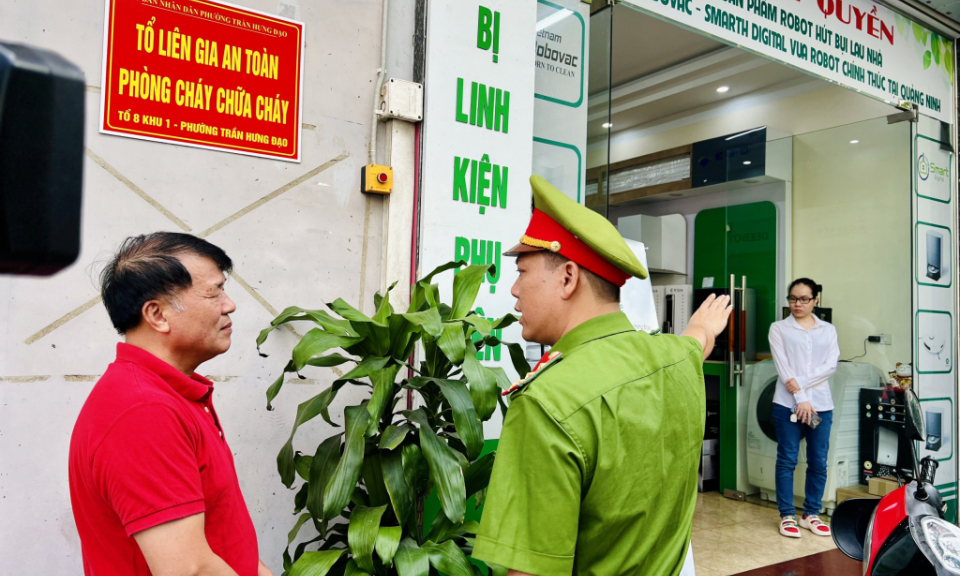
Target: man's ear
<point>571,278</point>
<point>154,314</point>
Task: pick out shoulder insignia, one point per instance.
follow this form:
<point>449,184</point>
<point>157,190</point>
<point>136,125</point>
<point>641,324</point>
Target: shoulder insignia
<point>549,359</point>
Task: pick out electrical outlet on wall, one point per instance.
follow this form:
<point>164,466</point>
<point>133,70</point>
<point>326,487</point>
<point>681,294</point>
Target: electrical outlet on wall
<point>886,339</point>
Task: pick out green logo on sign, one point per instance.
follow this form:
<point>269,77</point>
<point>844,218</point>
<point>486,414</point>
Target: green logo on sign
<point>923,167</point>
<point>488,31</point>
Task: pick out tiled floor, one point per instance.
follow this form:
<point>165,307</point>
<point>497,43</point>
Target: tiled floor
<point>731,537</point>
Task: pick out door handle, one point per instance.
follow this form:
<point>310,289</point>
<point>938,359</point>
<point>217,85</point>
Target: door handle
<point>737,335</point>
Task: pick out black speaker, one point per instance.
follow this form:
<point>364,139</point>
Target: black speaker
<point>41,160</point>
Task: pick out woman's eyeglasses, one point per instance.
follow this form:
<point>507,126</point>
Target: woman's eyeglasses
<point>804,301</point>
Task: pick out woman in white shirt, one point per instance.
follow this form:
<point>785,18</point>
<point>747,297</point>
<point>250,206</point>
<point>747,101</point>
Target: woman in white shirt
<point>806,352</point>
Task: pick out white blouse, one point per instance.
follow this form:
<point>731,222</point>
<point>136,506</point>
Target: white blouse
<point>809,356</point>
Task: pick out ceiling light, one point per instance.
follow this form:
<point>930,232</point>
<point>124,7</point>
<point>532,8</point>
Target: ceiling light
<point>607,125</point>
<point>723,89</point>
<point>746,162</point>
<point>854,141</point>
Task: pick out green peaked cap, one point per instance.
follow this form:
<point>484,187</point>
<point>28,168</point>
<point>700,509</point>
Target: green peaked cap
<point>591,228</point>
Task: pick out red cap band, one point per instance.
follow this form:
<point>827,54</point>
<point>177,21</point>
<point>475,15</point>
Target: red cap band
<point>546,230</point>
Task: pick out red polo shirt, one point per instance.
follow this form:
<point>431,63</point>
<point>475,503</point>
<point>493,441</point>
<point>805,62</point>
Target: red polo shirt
<point>147,449</point>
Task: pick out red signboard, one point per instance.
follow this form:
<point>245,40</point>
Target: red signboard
<point>203,73</point>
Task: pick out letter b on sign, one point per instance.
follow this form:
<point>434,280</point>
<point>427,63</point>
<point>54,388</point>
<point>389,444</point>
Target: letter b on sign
<point>488,31</point>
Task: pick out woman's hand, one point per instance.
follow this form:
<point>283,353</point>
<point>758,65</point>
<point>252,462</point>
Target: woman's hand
<point>805,412</point>
<point>792,386</point>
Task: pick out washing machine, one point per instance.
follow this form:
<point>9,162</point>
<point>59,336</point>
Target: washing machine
<point>843,458</point>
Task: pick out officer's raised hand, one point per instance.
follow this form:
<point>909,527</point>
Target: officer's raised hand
<point>709,321</point>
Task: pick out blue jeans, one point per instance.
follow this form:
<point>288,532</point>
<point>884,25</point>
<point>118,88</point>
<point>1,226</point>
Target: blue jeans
<point>789,435</point>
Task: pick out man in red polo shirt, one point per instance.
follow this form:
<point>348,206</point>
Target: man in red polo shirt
<point>152,480</point>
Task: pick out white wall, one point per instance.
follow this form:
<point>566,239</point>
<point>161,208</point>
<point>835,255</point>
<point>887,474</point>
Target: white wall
<point>852,233</point>
<point>315,240</point>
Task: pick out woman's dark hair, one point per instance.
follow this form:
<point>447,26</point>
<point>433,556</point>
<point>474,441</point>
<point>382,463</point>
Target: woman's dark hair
<point>145,268</point>
<point>815,288</point>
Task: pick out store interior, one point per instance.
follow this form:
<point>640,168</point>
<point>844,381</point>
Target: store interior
<point>730,166</point>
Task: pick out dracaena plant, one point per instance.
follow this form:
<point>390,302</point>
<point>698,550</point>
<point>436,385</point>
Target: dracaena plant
<point>364,488</point>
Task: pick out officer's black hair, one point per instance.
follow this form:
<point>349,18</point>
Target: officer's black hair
<point>603,288</point>
<point>146,268</point>
<point>815,288</point>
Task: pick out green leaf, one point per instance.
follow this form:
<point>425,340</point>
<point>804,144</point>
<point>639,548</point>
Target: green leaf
<point>292,535</point>
<point>519,359</point>
<point>388,540</point>
<point>926,59</point>
<point>372,475</point>
<point>383,394</point>
<point>503,381</point>
<point>352,314</point>
<point>452,342</point>
<point>300,500</point>
<point>274,388</point>
<point>353,570</point>
<point>935,47</point>
<point>444,469</point>
<point>442,529</point>
<point>296,314</point>
<point>411,560</point>
<point>337,494</point>
<point>416,471</point>
<point>384,309</point>
<point>401,334</point>
<point>479,497</point>
<point>448,558</point>
<point>465,418</point>
<point>302,464</point>
<point>466,285</point>
<point>377,338</point>
<point>469,527</point>
<point>948,58</point>
<point>497,570</point>
<point>316,563</point>
<point>505,321</point>
<point>483,384</point>
<point>477,476</point>
<point>428,319</point>
<point>920,33</point>
<point>306,411</point>
<point>317,341</point>
<point>362,535</point>
<point>483,326</point>
<point>368,366</point>
<point>328,360</point>
<point>393,435</point>
<point>321,470</point>
<point>401,495</point>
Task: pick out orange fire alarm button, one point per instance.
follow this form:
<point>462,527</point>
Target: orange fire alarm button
<point>376,179</point>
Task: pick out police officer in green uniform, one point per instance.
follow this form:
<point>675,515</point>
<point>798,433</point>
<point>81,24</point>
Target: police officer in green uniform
<point>596,472</point>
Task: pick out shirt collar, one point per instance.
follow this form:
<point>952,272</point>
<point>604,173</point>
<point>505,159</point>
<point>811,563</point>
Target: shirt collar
<point>817,322</point>
<point>605,325</point>
<point>194,387</point>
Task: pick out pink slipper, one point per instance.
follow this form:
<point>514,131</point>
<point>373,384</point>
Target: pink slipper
<point>813,524</point>
<point>788,527</point>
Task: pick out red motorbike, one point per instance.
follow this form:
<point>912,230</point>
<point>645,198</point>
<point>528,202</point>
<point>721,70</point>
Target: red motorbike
<point>903,533</point>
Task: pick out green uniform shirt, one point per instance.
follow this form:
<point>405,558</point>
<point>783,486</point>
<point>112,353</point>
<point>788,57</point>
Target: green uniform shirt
<point>596,472</point>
